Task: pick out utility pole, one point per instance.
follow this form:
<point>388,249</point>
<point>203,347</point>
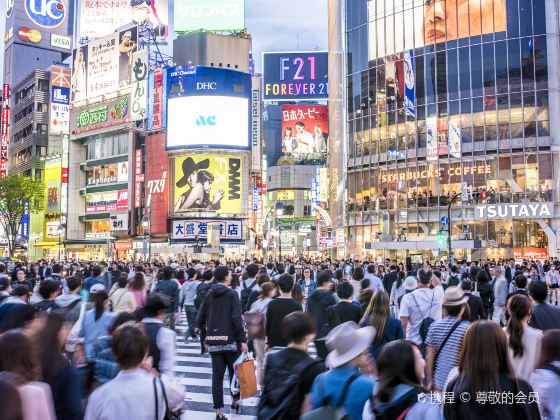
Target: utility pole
<point>449,228</point>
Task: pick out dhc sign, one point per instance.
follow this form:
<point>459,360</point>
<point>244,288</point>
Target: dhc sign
<point>515,211</point>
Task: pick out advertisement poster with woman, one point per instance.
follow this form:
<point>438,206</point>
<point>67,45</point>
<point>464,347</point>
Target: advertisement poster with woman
<point>305,133</point>
<point>208,183</point>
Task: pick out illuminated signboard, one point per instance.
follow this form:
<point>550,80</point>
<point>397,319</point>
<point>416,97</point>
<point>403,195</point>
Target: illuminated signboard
<point>289,76</point>
<point>108,114</point>
<point>211,15</point>
<point>5,120</point>
<point>60,100</point>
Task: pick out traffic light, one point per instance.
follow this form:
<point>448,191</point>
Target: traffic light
<point>441,239</point>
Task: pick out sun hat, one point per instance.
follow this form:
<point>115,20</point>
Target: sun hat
<point>410,284</point>
<point>346,342</point>
<point>454,296</point>
<point>96,288</point>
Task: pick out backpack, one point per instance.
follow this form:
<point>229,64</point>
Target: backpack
<point>201,292</point>
<point>453,281</point>
<point>245,293</point>
<point>426,322</point>
<point>328,411</point>
<point>282,390</point>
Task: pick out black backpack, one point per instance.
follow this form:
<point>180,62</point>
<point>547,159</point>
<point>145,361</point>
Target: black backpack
<point>201,292</point>
<point>453,281</point>
<point>425,324</point>
<point>280,392</point>
<point>245,293</point>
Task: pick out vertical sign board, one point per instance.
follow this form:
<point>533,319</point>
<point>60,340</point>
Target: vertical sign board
<point>60,100</point>
<point>139,77</point>
<point>256,122</point>
<point>64,179</point>
<point>4,136</point>
<point>157,102</point>
<point>139,179</point>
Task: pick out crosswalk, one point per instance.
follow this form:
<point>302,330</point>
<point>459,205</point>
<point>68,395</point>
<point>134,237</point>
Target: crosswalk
<point>194,371</point>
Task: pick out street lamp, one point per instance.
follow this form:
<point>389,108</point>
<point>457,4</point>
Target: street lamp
<point>59,230</point>
<point>146,226</point>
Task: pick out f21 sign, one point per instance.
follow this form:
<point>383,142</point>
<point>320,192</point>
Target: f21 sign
<point>289,76</point>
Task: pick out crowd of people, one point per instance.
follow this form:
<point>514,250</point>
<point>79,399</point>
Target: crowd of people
<point>461,341</point>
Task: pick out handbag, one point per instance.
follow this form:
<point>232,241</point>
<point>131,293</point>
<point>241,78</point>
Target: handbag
<point>169,415</point>
<point>247,378</point>
<point>254,322</point>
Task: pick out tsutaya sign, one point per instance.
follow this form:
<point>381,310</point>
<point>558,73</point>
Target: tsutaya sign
<point>515,211</point>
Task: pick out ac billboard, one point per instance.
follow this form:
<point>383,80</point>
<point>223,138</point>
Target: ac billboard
<point>291,76</point>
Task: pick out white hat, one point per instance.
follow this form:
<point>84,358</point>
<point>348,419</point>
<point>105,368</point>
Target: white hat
<point>199,267</point>
<point>454,296</point>
<point>410,283</point>
<point>346,342</point>
<point>173,265</point>
<point>96,288</point>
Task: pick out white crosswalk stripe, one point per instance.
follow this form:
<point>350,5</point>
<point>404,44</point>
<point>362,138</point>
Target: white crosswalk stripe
<point>194,371</point>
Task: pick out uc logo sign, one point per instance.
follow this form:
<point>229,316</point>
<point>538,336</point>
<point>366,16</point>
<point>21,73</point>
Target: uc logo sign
<point>47,14</point>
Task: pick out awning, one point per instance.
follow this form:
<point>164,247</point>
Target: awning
<point>45,244</point>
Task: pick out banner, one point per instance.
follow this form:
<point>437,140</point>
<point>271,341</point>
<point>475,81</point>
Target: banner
<point>100,116</point>
<point>155,104</point>
<point>305,133</point>
<point>119,222</point>
<point>157,182</point>
<point>5,121</point>
<point>208,183</point>
<point>100,18</point>
<point>198,229</point>
<point>107,201</point>
<point>139,92</point>
<point>103,66</point>
<point>60,100</point>
<point>211,15</point>
<point>52,187</point>
<point>256,123</point>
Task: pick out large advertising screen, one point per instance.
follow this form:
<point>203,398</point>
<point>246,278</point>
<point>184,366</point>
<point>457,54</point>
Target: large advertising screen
<point>208,107</point>
<point>289,76</point>
<point>305,133</point>
<point>208,183</point>
<point>101,18</point>
<point>103,66</point>
<point>394,28</point>
<point>211,15</point>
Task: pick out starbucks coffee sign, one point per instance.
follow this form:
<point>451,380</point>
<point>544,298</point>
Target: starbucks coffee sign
<point>515,211</point>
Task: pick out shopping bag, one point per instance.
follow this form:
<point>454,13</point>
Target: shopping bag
<point>247,378</point>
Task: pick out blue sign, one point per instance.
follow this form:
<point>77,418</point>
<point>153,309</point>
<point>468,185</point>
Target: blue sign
<point>409,83</point>
<point>444,220</point>
<point>47,14</point>
<point>25,225</point>
<point>60,95</point>
<point>289,76</point>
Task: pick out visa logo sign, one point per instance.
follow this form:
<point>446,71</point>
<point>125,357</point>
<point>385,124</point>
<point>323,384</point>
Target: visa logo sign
<point>61,41</point>
<point>204,121</point>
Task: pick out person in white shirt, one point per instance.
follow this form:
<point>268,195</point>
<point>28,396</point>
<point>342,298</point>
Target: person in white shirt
<point>375,283</point>
<point>426,301</point>
<point>137,391</point>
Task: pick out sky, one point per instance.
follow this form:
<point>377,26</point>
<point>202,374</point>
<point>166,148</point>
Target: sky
<point>275,25</point>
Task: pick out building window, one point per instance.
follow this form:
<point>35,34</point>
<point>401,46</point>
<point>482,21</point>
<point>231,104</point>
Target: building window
<point>43,85</point>
<point>306,210</point>
<point>42,128</point>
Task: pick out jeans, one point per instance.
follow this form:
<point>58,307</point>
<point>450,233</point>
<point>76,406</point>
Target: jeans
<point>190,312</point>
<point>221,361</point>
<point>499,315</point>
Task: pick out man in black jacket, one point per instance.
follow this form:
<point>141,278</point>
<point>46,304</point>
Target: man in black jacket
<point>476,309</point>
<point>545,316</point>
<point>345,310</point>
<point>317,305</point>
<point>390,278</point>
<point>220,315</point>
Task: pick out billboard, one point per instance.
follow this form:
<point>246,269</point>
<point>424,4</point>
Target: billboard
<point>157,182</point>
<point>107,201</point>
<point>289,76</point>
<point>103,66</point>
<point>139,92</point>
<point>100,18</point>
<point>5,121</point>
<point>60,100</point>
<point>305,133</point>
<point>211,15</point>
<point>230,230</point>
<point>53,169</point>
<point>208,182</point>
<point>208,107</point>
<point>394,29</point>
<point>156,99</point>
<point>100,116</point>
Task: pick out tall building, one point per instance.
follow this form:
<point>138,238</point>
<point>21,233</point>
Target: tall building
<point>449,124</point>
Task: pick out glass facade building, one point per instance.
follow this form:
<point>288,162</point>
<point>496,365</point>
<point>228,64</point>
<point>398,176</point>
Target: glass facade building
<point>444,97</point>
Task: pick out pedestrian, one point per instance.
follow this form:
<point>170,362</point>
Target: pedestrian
<point>476,308</point>
<point>500,296</point>
<point>187,296</point>
<point>12,408</point>
<point>348,383</point>
<point>48,290</point>
<point>71,302</point>
<point>96,278</point>
<point>356,281</point>
<point>485,290</point>
<point>220,314</point>
<point>375,283</point>
<point>398,392</point>
<point>120,298</point>
<point>19,359</point>
<point>307,284</point>
<point>345,309</point>
<point>249,285</point>
<point>397,292</point>
<point>56,370</point>
<point>317,305</point>
<point>524,342</point>
<point>255,321</point>
<point>262,278</point>
<point>138,288</point>
<point>421,307</point>
<point>484,368</point>
<point>545,316</point>
<point>283,305</point>
<point>445,337</point>
<point>365,299</point>
<point>207,280</point>
<point>15,311</point>
<point>378,316</point>
<point>290,372</point>
<point>545,380</point>
<point>390,278</point>
<point>553,282</point>
<point>169,287</point>
<point>135,393</point>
